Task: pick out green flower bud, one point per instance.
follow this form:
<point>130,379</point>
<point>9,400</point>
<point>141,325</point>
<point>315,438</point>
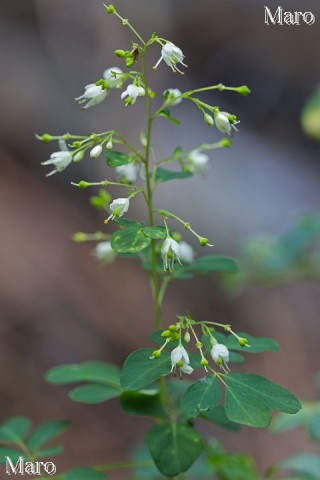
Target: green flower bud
<point>79,237</point>
<point>199,345</point>
<point>83,184</point>
<point>76,144</point>
<point>172,328</point>
<point>204,362</point>
<point>78,156</point>
<point>208,119</point>
<point>243,90</point>
<point>243,341</point>
<point>225,143</point>
<point>187,337</point>
<point>129,62</point>
<point>166,334</point>
<point>175,337</point>
<point>45,138</point>
<point>120,53</point>
<point>110,9</point>
<point>203,241</point>
<point>156,354</point>
<point>177,236</point>
<point>180,364</point>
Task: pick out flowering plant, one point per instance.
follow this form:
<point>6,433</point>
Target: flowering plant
<point>186,345</point>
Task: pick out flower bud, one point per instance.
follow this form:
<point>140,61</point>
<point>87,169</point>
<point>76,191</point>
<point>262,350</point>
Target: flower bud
<point>78,156</point>
<point>110,9</point>
<point>96,151</point>
<point>243,90</point>
<point>109,145</point>
<point>243,341</point>
<point>79,237</point>
<point>166,334</point>
<point>187,337</point>
<point>199,345</point>
<point>174,337</point>
<point>156,354</point>
<point>45,138</point>
<point>172,328</point>
<point>204,362</point>
<point>129,62</point>
<point>203,241</point>
<point>225,143</point>
<point>120,53</point>
<point>83,184</point>
<point>208,119</point>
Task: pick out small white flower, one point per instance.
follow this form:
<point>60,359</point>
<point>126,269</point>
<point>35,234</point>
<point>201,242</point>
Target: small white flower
<point>172,55</point>
<point>113,76</point>
<point>60,159</point>
<point>133,92</point>
<point>198,161</point>
<point>105,252</point>
<point>223,123</point>
<point>118,207</point>
<point>94,94</point>
<point>129,172</point>
<point>220,355</point>
<point>170,251</point>
<point>186,254</point>
<point>96,151</point>
<point>172,96</point>
<point>180,357</point>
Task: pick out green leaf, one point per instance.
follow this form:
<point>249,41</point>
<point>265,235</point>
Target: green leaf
<point>304,417</point>
<point>102,200</point>
<point>131,239</point>
<point>83,473</point>
<point>174,448</point>
<point>46,432</point>
<point>201,396</point>
<point>234,466</point>
<point>304,464</point>
<point>139,370</point>
<point>15,429</point>
<point>94,393</point>
<point>212,263</point>
<point>93,371</point>
<point>164,175</point>
<point>218,416</point>
<point>249,399</point>
<point>167,114</point>
<point>144,403</point>
<point>9,452</point>
<point>155,232</point>
<point>116,159</point>
<point>50,452</point>
<point>126,222</point>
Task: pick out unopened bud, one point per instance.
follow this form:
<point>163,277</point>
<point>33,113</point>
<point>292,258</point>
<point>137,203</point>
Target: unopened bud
<point>45,138</point>
<point>204,362</point>
<point>166,334</point>
<point>83,184</point>
<point>208,119</point>
<point>110,9</point>
<point>243,341</point>
<point>156,354</point>
<point>109,145</point>
<point>199,345</point>
<point>203,241</point>
<point>79,237</point>
<point>120,53</point>
<point>96,151</point>
<point>187,337</point>
<point>78,156</point>
<point>243,90</point>
<point>172,328</point>
<point>129,62</point>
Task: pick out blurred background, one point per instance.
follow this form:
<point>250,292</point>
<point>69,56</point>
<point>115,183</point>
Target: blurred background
<point>57,304</point>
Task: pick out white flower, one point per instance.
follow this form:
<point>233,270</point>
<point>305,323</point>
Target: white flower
<point>94,94</point>
<point>60,159</point>
<point>128,171</point>
<point>118,207</point>
<point>133,92</point>
<point>105,252</point>
<point>172,96</point>
<point>198,161</point>
<point>96,151</point>
<point>113,76</point>
<point>180,357</point>
<point>172,55</point>
<point>223,123</point>
<point>170,250</point>
<point>186,254</point>
<point>220,355</point>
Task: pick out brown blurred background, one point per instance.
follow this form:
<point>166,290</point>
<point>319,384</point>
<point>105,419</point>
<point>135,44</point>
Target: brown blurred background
<point>57,304</point>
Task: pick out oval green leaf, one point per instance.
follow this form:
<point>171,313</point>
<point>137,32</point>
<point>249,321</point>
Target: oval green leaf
<point>116,159</point>
<point>164,175</point>
<point>143,404</point>
<point>94,371</point>
<point>46,432</point>
<point>131,239</point>
<point>201,396</point>
<point>94,393</point>
<point>15,429</point>
<point>139,370</point>
<point>174,448</point>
